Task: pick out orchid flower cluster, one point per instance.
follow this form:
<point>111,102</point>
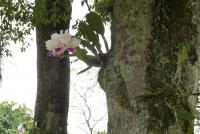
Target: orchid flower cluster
<point>59,43</point>
<point>21,128</point>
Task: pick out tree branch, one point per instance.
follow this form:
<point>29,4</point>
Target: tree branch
<point>98,47</point>
<point>87,4</point>
<point>84,70</point>
<point>91,60</point>
<point>105,42</point>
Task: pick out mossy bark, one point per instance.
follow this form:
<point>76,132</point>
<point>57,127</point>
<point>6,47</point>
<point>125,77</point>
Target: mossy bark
<point>53,76</point>
<point>148,78</point>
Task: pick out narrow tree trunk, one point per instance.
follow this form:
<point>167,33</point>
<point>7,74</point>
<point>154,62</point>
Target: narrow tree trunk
<point>152,67</point>
<point>53,76</point>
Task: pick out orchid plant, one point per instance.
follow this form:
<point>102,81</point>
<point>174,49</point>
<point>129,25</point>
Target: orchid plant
<point>21,128</point>
<point>59,43</point>
<point>86,40</point>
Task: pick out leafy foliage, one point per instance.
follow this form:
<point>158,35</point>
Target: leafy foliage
<point>89,31</point>
<point>95,22</point>
<point>12,115</point>
<point>46,13</point>
<point>15,23</point>
<point>182,54</point>
<point>104,8</point>
<point>183,114</point>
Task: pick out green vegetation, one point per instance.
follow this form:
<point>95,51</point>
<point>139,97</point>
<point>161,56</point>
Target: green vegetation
<point>12,115</point>
<point>15,23</point>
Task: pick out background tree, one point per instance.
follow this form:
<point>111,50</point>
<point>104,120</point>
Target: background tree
<point>53,75</point>
<point>87,114</point>
<point>90,117</point>
<point>12,115</point>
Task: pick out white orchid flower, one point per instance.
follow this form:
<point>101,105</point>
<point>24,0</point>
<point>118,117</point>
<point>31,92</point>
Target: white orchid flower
<point>21,128</point>
<point>71,46</point>
<point>59,43</point>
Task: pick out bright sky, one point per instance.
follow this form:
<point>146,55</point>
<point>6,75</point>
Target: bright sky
<point>19,83</point>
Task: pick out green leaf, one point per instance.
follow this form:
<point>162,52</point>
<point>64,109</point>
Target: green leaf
<point>90,60</point>
<point>84,70</point>
<point>183,114</point>
<point>95,22</point>
<point>82,3</point>
<point>80,53</point>
<point>182,54</point>
<point>87,32</point>
<point>89,46</point>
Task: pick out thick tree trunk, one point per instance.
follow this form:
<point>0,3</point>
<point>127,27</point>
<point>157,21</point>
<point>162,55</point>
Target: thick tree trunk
<point>152,68</point>
<point>53,75</point>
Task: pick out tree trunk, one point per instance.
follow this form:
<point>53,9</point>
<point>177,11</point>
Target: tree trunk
<point>152,68</point>
<point>53,76</point>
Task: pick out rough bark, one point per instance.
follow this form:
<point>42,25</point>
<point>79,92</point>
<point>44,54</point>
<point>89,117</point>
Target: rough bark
<point>53,76</point>
<point>145,80</point>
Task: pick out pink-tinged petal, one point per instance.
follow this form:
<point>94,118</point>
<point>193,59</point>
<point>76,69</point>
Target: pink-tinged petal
<point>57,49</point>
<point>71,50</point>
<point>49,54</point>
<point>61,57</point>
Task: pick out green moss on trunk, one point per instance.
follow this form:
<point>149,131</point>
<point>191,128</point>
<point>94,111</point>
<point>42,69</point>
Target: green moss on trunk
<point>166,76</point>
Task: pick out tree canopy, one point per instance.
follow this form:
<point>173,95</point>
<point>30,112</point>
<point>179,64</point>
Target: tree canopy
<point>15,23</point>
